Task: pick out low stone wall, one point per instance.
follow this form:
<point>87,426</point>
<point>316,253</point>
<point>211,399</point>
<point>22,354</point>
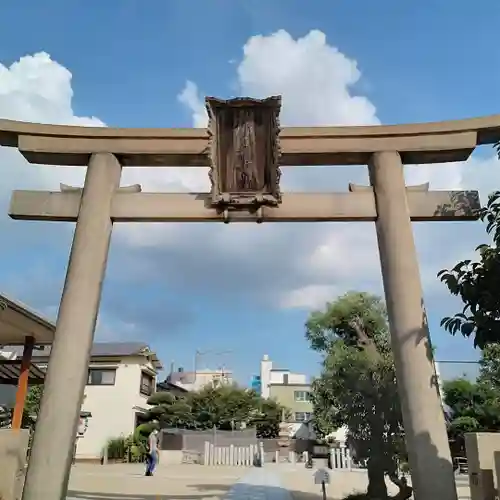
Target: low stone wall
<point>169,457</point>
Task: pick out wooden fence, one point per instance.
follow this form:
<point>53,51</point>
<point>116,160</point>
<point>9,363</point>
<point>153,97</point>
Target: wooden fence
<point>340,458</point>
<point>247,456</point>
<point>244,456</point>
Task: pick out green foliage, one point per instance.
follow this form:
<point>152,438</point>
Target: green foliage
<point>136,445</point>
<point>475,406</point>
<point>224,407</point>
<point>31,409</point>
<point>144,430</point>
<point>116,448</point>
<point>325,328</point>
<point>33,400</point>
<point>477,284</point>
<point>357,385</point>
<point>489,371</point>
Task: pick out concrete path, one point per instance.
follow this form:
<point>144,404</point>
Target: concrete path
<point>127,482</point>
<point>194,482</point>
<point>186,482</point>
<point>258,484</point>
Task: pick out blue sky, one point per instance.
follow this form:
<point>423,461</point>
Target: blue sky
<point>129,62</point>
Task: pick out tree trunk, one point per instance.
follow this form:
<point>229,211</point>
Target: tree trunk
<point>377,489</point>
<point>405,491</point>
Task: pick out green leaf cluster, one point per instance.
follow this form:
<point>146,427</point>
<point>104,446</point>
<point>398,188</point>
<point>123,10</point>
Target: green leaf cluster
<point>225,407</point>
<point>474,406</point>
<point>477,283</point>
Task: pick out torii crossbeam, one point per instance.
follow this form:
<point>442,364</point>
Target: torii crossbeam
<point>356,205</point>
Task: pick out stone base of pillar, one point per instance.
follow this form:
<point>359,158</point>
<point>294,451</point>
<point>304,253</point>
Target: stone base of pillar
<point>481,448</point>
<point>13,450</point>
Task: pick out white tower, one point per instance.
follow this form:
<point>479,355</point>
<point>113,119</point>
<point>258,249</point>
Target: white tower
<point>266,365</point>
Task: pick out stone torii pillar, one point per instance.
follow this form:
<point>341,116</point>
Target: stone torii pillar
<point>50,461</point>
<point>424,424</point>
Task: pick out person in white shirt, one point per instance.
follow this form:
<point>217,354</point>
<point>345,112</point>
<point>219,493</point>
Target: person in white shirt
<point>153,452</point>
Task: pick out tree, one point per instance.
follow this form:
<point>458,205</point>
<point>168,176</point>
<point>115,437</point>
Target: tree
<point>31,409</point>
<point>477,283</point>
<point>489,366</point>
<point>32,404</point>
<point>474,407</point>
<point>357,385</point>
<point>226,407</point>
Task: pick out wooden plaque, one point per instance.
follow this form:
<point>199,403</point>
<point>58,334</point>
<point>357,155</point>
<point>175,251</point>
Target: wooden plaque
<point>244,151</point>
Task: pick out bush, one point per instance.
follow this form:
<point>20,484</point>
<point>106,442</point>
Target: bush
<point>136,445</point>
<point>117,449</point>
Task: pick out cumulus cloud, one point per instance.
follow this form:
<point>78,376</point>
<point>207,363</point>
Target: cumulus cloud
<point>286,265</point>
<point>317,83</point>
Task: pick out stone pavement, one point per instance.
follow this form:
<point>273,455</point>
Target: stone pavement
<point>175,482</point>
<point>299,481</point>
<point>258,484</point>
<point>184,482</point>
<point>195,482</point>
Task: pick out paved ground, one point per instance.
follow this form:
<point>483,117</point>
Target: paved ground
<point>179,482</point>
<point>195,482</point>
<point>300,483</point>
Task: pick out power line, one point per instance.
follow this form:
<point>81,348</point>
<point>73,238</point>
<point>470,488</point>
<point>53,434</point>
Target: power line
<point>469,362</point>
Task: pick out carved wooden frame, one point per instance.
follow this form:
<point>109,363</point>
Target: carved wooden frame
<point>268,168</point>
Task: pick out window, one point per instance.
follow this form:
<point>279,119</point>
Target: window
<point>147,384</point>
<point>101,377</point>
<point>302,416</point>
<point>285,379</point>
<point>302,396</point>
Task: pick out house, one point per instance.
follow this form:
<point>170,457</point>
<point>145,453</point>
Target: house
<point>290,389</point>
<point>196,380</point>
<point>167,386</point>
<point>121,377</point>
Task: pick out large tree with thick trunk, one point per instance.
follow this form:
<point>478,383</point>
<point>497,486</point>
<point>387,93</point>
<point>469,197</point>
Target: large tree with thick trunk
<point>357,385</point>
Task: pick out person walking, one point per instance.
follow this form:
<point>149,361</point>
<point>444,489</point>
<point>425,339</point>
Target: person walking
<point>153,452</point>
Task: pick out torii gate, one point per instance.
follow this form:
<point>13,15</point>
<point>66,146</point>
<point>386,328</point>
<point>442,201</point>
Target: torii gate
<point>245,148</point>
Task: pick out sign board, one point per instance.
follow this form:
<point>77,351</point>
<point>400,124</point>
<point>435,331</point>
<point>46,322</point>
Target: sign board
<point>321,476</point>
<point>244,152</point>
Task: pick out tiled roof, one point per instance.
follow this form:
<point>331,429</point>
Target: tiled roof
<point>98,349</point>
<point>181,377</point>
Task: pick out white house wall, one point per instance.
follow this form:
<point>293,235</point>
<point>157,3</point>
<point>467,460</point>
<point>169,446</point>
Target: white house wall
<point>269,376</point>
<point>278,377</point>
<point>266,366</point>
<point>113,407</point>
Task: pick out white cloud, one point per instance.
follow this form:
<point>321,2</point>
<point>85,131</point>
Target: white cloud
<point>290,265</point>
<point>314,78</point>
<point>310,296</point>
<point>316,82</point>
<point>190,98</point>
